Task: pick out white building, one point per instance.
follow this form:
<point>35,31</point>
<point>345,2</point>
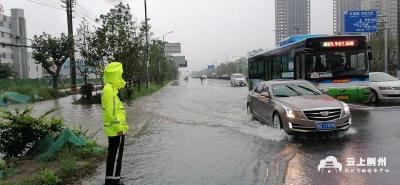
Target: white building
<point>35,71</point>
<point>13,34</point>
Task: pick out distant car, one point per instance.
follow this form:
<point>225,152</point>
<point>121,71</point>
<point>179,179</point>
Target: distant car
<point>297,106</point>
<point>186,78</point>
<point>203,77</point>
<point>238,79</point>
<point>225,77</point>
<point>383,87</point>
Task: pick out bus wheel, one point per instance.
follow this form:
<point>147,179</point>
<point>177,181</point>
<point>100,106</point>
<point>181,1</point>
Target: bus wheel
<point>373,97</point>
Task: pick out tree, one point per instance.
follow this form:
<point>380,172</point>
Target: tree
<point>377,43</point>
<point>52,53</point>
<point>89,50</point>
<point>118,40</point>
<point>6,71</point>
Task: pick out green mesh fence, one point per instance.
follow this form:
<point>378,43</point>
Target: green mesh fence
<point>48,147</point>
<point>2,103</point>
<point>13,97</point>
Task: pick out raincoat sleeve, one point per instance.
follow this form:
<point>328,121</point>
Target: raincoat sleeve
<point>108,106</point>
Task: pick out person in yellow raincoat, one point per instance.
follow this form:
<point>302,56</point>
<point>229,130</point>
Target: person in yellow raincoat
<point>115,126</point>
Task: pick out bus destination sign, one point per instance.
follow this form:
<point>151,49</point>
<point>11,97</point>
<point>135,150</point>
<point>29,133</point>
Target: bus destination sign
<point>340,43</point>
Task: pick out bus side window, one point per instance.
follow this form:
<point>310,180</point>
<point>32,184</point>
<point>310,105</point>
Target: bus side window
<point>267,66</point>
<point>276,68</point>
<point>253,69</point>
<point>299,65</point>
<point>260,69</point>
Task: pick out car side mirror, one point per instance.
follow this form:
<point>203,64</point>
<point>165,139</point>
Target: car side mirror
<point>265,95</point>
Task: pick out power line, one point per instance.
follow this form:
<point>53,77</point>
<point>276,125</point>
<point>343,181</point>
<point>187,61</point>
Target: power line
<point>88,19</point>
<point>15,45</point>
<point>85,15</point>
<point>44,4</point>
<point>86,10</point>
<point>53,1</point>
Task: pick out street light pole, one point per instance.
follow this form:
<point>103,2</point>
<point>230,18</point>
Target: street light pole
<point>385,32</point>
<point>386,49</point>
<point>159,62</point>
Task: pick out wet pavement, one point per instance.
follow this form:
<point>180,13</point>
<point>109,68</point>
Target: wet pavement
<point>199,133</point>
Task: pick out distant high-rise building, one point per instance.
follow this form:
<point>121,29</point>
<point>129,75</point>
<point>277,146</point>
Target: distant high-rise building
<point>384,7</point>
<point>339,7</point>
<point>13,32</point>
<point>292,17</point>
<point>387,8</point>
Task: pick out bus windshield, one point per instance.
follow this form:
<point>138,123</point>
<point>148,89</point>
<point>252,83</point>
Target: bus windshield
<point>330,64</point>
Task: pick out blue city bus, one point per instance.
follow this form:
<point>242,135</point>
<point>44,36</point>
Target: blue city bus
<point>337,64</point>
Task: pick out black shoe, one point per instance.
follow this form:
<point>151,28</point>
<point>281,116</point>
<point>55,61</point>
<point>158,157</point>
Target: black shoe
<point>114,183</point>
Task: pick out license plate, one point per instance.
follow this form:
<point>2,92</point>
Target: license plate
<point>325,125</point>
<point>343,97</point>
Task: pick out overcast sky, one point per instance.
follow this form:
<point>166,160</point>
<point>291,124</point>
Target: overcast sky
<point>209,30</point>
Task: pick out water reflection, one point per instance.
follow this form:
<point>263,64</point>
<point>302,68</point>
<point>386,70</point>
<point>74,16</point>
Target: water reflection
<point>86,116</point>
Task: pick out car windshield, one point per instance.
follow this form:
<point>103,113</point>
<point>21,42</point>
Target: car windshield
<point>381,77</point>
<point>335,64</point>
<point>238,76</point>
<point>295,89</point>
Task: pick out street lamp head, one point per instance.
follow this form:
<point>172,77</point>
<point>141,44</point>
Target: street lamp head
<point>166,35</point>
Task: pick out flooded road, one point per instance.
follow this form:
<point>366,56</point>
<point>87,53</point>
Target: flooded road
<point>199,133</point>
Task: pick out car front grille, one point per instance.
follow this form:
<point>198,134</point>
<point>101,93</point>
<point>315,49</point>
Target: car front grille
<point>323,115</point>
<point>396,88</point>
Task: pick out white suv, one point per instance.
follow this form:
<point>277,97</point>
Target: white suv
<point>238,79</point>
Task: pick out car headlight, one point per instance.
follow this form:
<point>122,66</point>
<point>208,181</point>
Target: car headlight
<point>289,112</point>
<point>346,108</point>
<point>385,88</point>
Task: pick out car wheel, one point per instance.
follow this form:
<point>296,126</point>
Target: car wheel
<point>276,122</point>
<point>250,111</point>
<point>373,97</point>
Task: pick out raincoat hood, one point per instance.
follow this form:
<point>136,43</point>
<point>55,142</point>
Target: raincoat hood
<point>113,75</point>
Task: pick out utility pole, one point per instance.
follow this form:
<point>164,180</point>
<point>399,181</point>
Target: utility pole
<point>147,44</point>
<point>398,39</point>
<point>69,7</point>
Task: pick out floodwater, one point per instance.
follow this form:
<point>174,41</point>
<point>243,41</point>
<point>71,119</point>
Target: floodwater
<point>197,133</point>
